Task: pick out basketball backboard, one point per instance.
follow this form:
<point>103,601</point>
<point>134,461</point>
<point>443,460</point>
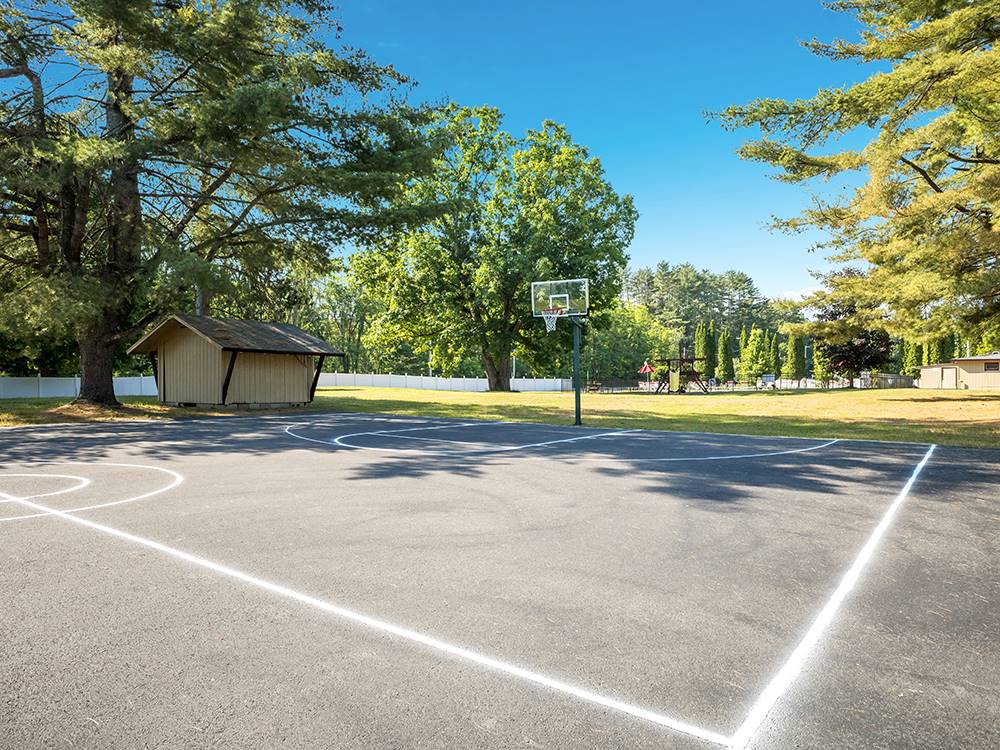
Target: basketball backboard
<point>569,296</point>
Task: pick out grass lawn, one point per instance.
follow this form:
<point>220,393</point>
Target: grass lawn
<point>946,417</point>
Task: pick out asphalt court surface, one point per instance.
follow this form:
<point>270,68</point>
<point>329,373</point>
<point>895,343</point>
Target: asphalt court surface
<point>391,582</point>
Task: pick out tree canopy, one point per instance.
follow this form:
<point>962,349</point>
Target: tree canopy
<point>517,210</point>
<point>149,150</point>
<point>852,348</point>
<point>920,226</point>
<point>622,339</point>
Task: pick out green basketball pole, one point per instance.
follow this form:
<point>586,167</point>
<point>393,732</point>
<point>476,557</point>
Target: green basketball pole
<point>577,327</point>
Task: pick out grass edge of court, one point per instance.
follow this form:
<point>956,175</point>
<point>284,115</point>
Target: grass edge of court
<point>544,409</point>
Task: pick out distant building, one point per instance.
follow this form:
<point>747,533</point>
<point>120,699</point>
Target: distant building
<point>963,373</point>
<point>213,361</point>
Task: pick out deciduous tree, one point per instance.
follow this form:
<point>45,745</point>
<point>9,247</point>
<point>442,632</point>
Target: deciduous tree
<point>624,337</point>
<point>519,210</point>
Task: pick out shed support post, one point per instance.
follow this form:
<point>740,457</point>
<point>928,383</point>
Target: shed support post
<point>319,369</point>
<point>229,376</point>
<point>156,375</point>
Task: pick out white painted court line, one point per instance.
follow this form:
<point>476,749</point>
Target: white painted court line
<point>341,441</point>
<point>177,479</point>
<point>492,449</point>
<point>781,681</point>
<point>288,430</point>
<point>401,632</point>
<point>81,482</point>
<point>644,460</point>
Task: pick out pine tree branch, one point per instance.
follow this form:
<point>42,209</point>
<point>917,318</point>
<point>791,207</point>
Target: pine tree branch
<point>972,160</point>
<point>201,201</point>
<point>38,96</point>
<point>977,215</point>
<point>926,176</point>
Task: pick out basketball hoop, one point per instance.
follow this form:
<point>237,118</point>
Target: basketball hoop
<point>569,298</point>
<point>550,315</point>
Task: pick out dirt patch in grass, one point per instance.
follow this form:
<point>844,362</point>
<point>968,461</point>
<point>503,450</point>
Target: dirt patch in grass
<point>16,412</point>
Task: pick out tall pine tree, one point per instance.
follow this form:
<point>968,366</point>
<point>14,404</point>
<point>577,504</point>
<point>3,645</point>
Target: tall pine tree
<point>795,359</point>
<point>724,355</point>
<point>922,216</point>
<point>822,366</point>
<point>913,353</point>
<point>153,151</point>
<point>701,347</point>
<point>711,353</point>
<point>753,359</point>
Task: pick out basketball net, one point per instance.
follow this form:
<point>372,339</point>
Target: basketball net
<point>550,315</point>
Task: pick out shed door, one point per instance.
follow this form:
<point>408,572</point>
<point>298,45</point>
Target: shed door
<point>949,377</point>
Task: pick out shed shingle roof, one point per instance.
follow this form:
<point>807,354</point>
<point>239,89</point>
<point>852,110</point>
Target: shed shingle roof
<point>978,358</point>
<point>241,335</point>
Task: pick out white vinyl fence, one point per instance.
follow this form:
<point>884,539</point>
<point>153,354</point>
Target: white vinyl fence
<point>38,387</point>
<point>434,383</point>
<point>145,385</point>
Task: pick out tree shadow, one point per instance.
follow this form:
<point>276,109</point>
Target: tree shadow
<point>966,396</point>
<point>755,468</point>
<point>951,431</point>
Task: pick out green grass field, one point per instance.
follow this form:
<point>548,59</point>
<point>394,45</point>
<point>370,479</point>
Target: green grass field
<point>947,417</point>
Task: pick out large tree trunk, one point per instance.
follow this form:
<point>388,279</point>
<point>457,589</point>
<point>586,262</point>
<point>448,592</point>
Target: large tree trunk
<point>97,359</point>
<point>120,271</point>
<point>202,300</point>
<point>497,370</point>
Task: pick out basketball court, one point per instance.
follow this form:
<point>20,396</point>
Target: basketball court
<point>351,580</point>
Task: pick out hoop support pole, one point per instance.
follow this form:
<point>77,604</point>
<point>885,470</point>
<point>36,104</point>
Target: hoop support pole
<point>577,329</point>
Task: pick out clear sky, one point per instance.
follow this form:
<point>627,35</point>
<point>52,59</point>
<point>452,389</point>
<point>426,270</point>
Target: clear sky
<point>632,83</point>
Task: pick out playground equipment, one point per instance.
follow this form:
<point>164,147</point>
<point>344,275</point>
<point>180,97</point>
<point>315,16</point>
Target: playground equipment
<point>678,374</point>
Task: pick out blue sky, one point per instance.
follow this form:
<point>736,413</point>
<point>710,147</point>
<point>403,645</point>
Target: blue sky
<point>633,84</point>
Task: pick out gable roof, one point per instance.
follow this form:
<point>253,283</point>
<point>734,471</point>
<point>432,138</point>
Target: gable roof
<point>239,336</point>
<point>978,358</point>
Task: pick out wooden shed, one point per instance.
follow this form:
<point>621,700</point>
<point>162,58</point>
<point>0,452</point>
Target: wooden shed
<point>199,360</point>
<point>980,372</point>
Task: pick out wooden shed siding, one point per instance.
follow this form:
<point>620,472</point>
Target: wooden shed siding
<point>930,377</point>
<point>971,375</point>
<point>193,369</point>
<point>270,379</point>
<point>974,375</point>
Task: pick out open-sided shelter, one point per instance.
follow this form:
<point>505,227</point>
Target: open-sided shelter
<point>982,371</point>
<point>199,360</point>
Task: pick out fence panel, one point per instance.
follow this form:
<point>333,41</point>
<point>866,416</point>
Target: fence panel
<point>144,385</point>
<point>19,387</point>
<point>36,387</point>
<point>53,387</point>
